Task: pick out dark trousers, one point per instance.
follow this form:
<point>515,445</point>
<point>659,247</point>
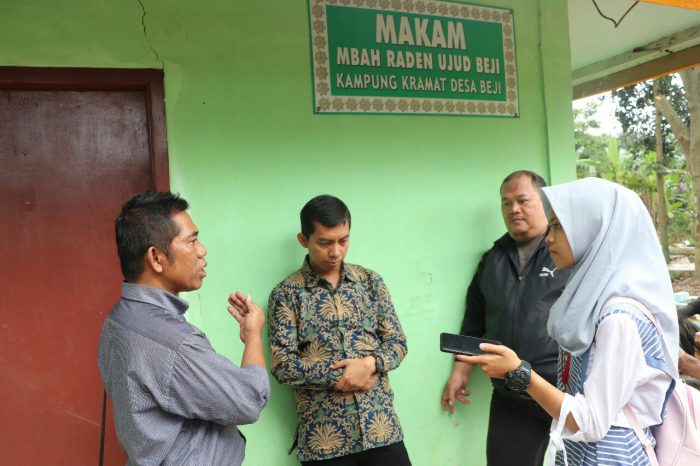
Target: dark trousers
<point>518,432</point>
<point>390,455</point>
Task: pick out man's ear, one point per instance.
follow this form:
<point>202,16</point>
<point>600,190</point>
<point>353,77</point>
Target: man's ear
<point>155,259</point>
<point>303,240</point>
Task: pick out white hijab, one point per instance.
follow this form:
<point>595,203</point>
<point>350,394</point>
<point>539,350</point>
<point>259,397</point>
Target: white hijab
<point>617,254</point>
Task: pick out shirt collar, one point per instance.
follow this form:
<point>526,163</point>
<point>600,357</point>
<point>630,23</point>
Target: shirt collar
<point>312,279</point>
<point>154,296</point>
<point>536,241</point>
<point>507,242</point>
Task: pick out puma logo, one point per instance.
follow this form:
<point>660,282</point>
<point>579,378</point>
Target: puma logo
<point>547,273</point>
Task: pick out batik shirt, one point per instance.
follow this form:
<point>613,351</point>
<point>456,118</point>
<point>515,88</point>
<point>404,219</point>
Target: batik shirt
<point>312,325</point>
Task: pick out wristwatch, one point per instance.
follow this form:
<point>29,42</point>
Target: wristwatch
<point>378,363</point>
<point>519,379</point>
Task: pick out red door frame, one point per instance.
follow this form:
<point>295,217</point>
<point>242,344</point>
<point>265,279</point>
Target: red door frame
<point>149,81</point>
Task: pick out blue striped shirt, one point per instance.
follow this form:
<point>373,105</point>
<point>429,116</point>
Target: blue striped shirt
<point>620,446</point>
<point>176,401</point>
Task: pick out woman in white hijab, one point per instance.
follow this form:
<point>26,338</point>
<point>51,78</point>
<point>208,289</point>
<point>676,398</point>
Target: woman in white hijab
<point>611,355</point>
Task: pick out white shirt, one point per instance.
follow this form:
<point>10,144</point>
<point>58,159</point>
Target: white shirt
<point>617,373</point>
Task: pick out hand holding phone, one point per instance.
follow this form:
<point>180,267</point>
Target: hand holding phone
<point>460,344</point>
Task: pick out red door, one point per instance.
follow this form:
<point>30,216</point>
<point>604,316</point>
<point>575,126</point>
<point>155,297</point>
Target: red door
<point>74,146</point>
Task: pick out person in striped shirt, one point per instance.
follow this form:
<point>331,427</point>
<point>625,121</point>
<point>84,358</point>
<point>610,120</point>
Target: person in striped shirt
<point>612,357</point>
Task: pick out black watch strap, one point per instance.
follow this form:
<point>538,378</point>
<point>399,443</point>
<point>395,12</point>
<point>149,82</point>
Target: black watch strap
<point>519,379</point>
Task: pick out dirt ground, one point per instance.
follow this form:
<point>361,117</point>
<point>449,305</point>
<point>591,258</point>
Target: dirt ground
<point>685,284</point>
<point>682,281</point>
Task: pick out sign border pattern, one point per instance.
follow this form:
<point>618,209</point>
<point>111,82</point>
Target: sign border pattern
<point>324,102</point>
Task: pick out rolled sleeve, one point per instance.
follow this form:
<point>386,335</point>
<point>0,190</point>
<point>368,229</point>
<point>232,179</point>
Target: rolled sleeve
<point>616,368</point>
<point>206,385</point>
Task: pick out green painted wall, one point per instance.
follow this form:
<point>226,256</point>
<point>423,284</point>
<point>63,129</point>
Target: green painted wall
<point>247,152</point>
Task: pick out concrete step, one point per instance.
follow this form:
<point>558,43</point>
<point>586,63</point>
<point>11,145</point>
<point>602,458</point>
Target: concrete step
<point>681,267</point>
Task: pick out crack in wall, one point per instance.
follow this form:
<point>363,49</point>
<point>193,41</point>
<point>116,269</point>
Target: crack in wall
<point>145,34</point>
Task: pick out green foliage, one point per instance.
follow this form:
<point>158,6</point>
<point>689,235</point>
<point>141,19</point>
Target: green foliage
<point>636,113</point>
<point>630,158</point>
<point>640,174</point>
<point>591,149</point>
<point>680,196</point>
<point>602,157</point>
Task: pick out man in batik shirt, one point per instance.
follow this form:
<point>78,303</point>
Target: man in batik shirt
<point>334,335</point>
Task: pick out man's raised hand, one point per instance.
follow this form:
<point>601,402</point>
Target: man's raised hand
<point>247,313</point>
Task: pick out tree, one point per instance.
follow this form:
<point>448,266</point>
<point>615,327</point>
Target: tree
<point>660,169</point>
<point>593,151</point>
<point>685,124</point>
<point>637,115</point>
<point>673,97</point>
<point>603,156</point>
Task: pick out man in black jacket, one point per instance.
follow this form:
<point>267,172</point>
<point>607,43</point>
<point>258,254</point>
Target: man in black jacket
<point>508,300</point>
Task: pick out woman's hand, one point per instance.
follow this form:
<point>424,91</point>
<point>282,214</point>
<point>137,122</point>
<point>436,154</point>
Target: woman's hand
<point>500,360</point>
<point>497,361</point>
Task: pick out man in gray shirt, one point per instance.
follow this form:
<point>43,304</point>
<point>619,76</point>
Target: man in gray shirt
<point>176,401</point>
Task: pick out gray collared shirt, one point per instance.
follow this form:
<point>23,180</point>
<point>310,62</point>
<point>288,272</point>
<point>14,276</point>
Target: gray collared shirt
<point>176,401</point>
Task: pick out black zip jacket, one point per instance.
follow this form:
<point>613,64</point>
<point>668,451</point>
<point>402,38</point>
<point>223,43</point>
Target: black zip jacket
<point>513,309</point>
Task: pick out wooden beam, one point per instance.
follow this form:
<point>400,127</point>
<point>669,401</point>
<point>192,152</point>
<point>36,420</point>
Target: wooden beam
<point>690,4</point>
<point>671,63</point>
<point>647,52</point>
<point>682,250</point>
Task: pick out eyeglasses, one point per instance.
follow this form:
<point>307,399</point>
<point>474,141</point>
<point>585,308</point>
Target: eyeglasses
<point>554,225</point>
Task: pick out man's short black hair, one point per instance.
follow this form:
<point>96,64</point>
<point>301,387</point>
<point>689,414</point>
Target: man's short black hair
<point>686,330</point>
<point>537,180</point>
<point>145,221</point>
<point>325,209</point>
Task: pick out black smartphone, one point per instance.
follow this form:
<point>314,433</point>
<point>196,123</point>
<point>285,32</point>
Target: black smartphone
<point>460,344</point>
